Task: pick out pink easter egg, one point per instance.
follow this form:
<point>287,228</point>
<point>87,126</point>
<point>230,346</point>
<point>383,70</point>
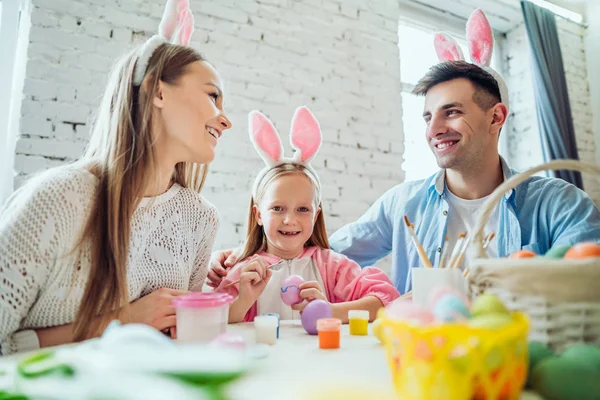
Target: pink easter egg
<point>290,291</point>
<point>313,311</point>
<point>406,310</point>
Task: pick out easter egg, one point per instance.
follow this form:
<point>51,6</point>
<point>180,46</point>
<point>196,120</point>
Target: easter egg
<point>377,330</point>
<point>523,254</point>
<point>488,304</point>
<point>442,291</point>
<point>558,251</point>
<point>451,308</point>
<point>313,311</point>
<point>558,378</point>
<point>491,321</point>
<point>538,352</point>
<point>406,310</point>
<point>290,291</point>
<point>583,354</point>
<point>583,250</point>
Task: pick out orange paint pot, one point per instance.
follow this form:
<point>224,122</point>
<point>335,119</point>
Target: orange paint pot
<point>329,333</point>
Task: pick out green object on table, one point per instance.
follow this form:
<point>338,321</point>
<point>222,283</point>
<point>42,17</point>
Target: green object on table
<point>41,364</point>
<point>206,377</point>
<point>558,378</point>
<point>12,396</point>
<point>583,354</point>
<point>558,251</point>
<point>538,352</point>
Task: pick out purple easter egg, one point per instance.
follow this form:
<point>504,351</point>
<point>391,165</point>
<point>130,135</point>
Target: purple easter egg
<point>313,311</point>
<point>290,291</point>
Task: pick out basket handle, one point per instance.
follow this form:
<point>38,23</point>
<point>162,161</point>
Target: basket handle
<point>476,247</point>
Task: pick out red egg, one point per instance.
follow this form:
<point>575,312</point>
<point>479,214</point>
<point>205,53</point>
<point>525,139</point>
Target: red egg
<point>583,250</point>
<point>523,254</point>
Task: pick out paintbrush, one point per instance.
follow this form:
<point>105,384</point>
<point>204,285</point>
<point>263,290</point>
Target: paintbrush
<point>461,254</point>
<point>456,250</point>
<point>444,253</point>
<point>486,242</point>
<point>238,280</point>
<point>420,250</point>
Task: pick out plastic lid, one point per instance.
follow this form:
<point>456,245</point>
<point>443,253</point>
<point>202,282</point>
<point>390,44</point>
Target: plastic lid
<point>360,314</point>
<point>202,300</point>
<point>329,324</point>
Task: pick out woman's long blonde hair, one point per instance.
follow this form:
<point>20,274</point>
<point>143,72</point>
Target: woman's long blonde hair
<point>122,155</point>
<point>256,240</point>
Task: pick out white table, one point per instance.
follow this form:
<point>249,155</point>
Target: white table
<point>296,368</point>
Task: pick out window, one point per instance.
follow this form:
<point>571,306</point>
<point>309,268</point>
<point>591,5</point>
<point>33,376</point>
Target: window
<point>417,55</point>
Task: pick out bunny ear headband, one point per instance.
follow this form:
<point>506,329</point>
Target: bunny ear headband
<point>305,137</point>
<point>481,42</point>
<point>176,27</point>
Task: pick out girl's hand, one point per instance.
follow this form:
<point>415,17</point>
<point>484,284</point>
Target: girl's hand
<point>254,278</point>
<point>309,291</point>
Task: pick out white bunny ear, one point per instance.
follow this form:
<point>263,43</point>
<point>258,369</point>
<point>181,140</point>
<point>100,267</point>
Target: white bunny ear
<point>305,135</point>
<point>446,48</point>
<point>265,138</point>
<point>480,38</point>
<point>176,26</point>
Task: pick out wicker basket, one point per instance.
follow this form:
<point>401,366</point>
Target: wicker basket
<point>561,297</point>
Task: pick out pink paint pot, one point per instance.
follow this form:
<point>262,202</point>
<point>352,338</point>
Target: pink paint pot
<point>201,316</point>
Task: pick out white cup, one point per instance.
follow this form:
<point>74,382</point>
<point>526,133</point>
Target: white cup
<point>426,280</point>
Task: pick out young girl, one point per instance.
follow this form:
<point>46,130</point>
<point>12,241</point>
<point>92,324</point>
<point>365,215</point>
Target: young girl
<point>287,236</point>
<point>125,224</point>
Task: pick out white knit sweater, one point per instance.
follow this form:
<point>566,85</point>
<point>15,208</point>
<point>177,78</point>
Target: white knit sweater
<point>42,280</point>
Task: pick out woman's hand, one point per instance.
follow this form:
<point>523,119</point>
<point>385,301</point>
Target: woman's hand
<point>155,309</point>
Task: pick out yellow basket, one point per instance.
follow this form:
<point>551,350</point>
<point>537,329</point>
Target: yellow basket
<point>457,361</point>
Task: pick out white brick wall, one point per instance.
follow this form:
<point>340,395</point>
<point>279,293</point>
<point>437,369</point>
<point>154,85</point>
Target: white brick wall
<point>339,57</point>
<point>522,141</point>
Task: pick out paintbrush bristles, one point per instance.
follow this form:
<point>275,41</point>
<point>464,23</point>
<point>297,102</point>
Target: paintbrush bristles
<point>422,255</point>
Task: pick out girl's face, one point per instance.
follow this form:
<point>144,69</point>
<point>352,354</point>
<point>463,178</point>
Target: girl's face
<point>191,115</point>
<point>287,212</point>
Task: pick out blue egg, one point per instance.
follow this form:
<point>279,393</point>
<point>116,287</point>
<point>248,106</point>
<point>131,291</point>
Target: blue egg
<point>451,308</point>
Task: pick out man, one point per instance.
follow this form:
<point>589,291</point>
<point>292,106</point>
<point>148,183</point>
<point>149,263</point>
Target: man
<point>464,116</point>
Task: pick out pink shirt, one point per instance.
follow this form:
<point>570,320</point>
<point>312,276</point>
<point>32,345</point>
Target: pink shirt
<point>343,279</point>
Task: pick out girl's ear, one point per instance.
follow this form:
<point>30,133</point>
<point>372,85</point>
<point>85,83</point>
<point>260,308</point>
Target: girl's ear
<point>256,212</point>
<point>317,215</point>
<point>158,99</point>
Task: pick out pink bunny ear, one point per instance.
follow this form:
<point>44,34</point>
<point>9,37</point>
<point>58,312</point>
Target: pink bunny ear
<point>447,48</point>
<point>480,38</point>
<point>177,24</point>
<point>305,135</point>
<point>265,138</point>
<point>185,23</point>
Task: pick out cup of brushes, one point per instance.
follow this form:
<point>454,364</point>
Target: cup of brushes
<point>448,273</point>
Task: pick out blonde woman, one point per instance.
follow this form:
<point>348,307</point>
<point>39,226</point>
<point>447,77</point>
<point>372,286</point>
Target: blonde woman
<point>123,230</point>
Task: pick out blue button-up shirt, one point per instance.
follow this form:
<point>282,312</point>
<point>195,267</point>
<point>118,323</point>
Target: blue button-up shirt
<point>538,214</point>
